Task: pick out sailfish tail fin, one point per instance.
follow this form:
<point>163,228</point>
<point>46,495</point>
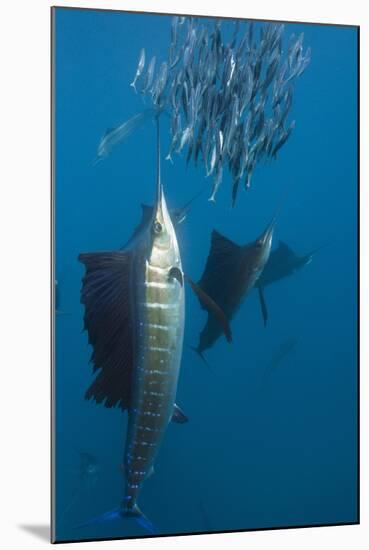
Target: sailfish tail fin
<point>110,515</point>
<point>118,514</point>
<point>141,519</point>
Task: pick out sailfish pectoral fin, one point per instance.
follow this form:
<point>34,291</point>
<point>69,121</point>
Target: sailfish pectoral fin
<point>264,310</point>
<point>176,273</point>
<point>178,415</point>
<point>212,308</point>
<point>142,520</point>
<point>105,295</point>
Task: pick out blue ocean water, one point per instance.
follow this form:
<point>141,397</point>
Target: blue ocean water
<point>251,456</point>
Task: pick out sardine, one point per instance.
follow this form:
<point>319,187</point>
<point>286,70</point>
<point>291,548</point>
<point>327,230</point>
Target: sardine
<point>149,76</point>
<point>113,136</point>
<point>282,140</point>
<point>140,67</point>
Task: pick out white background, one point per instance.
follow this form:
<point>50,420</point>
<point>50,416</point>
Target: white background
<point>25,275</point>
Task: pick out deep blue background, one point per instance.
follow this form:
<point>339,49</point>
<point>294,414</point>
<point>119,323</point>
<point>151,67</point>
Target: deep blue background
<point>249,457</point>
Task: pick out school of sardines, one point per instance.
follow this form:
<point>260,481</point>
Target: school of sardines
<point>228,102</point>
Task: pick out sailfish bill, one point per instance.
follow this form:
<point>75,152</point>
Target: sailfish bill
<point>134,314</point>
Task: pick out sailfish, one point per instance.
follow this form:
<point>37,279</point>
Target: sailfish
<point>283,262</point>
<point>134,302</point>
<point>231,271</point>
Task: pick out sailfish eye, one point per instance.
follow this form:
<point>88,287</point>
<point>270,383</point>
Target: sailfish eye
<point>157,227</point>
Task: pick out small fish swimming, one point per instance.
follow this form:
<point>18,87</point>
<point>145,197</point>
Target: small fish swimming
<point>140,67</point>
<point>270,74</point>
<point>173,38</point>
<point>159,85</point>
<point>149,76</point>
<point>214,87</point>
<point>113,136</point>
<point>283,138</point>
<point>230,273</point>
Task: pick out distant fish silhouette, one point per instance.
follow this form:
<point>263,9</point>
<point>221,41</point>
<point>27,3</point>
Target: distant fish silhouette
<point>89,469</point>
<point>205,519</point>
<point>285,348</point>
<point>283,262</point>
<point>87,473</point>
<point>56,296</point>
<point>58,311</point>
<point>57,299</point>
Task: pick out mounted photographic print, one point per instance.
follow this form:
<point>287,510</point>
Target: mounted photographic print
<point>205,274</point>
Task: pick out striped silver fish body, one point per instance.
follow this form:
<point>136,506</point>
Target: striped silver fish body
<point>158,316</point>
